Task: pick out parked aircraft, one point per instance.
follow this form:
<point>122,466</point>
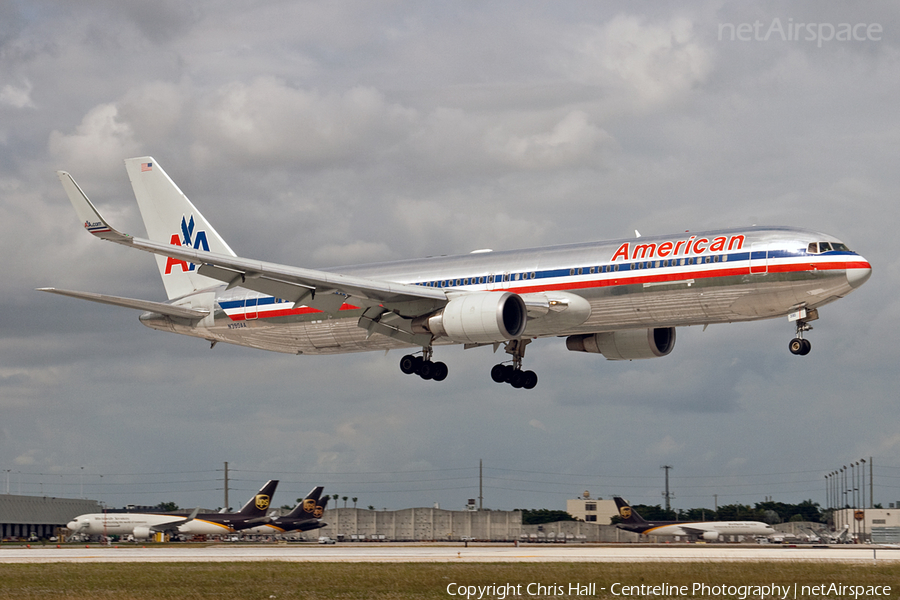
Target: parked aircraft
<point>254,512</point>
<point>306,516</point>
<point>143,525</point>
<point>622,299</point>
<point>140,525</point>
<point>709,531</point>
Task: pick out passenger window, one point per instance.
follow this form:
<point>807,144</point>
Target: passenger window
<point>533,275</point>
<point>616,268</point>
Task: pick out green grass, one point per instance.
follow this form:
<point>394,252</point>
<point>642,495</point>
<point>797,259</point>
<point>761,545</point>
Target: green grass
<point>286,580</point>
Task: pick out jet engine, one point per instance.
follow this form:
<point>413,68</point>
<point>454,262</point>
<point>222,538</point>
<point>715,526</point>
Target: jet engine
<point>141,533</point>
<point>710,536</point>
<point>479,317</point>
<point>628,344</point>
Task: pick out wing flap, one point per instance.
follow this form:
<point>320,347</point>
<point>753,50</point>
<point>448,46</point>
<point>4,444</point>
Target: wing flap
<point>157,307</point>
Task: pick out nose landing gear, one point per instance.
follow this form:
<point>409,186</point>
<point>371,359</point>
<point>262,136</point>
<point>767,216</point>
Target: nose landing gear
<point>800,346</point>
<point>423,367</point>
<point>513,374</point>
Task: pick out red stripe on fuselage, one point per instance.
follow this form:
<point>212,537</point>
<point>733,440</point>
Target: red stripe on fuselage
<point>611,280</point>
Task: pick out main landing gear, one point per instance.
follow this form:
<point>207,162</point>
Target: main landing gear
<point>513,374</point>
<point>423,366</point>
<point>800,346</point>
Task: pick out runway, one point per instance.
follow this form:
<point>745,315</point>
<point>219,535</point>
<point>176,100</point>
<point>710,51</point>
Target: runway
<point>435,553</point>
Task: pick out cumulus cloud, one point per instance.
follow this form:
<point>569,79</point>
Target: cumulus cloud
<point>648,63</point>
<point>17,96</point>
<point>99,142</point>
<point>271,121</point>
<point>572,141</point>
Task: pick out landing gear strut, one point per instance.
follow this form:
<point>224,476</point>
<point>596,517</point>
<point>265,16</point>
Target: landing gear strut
<point>423,367</point>
<point>800,346</point>
<point>513,374</point>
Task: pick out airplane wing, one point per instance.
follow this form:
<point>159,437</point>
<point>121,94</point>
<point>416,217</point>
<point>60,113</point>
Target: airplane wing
<point>318,289</point>
<point>169,525</point>
<point>157,307</point>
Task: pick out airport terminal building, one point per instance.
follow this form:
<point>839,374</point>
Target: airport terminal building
<point>22,517</point>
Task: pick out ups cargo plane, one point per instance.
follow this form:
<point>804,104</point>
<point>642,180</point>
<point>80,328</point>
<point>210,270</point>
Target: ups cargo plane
<point>622,299</point>
<point>143,525</point>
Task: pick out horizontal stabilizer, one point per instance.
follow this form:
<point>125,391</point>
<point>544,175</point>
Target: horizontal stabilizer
<point>157,307</point>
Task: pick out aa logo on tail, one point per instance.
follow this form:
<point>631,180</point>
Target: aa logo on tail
<point>187,238</point>
<point>625,511</point>
<point>262,501</point>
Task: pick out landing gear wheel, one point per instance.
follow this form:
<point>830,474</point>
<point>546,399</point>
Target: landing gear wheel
<point>529,380</point>
<point>517,379</point>
<point>498,373</point>
<point>439,371</point>
<point>426,370</point>
<point>408,364</point>
<point>800,347</point>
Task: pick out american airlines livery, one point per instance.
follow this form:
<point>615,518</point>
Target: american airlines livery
<point>622,299</point>
<point>709,531</point>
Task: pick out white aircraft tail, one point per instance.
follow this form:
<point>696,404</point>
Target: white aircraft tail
<point>171,218</point>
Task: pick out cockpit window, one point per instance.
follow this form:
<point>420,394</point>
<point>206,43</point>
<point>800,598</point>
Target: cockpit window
<point>820,247</point>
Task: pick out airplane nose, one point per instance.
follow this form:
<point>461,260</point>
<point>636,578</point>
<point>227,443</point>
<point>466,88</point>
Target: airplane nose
<point>858,276</point>
<point>72,525</point>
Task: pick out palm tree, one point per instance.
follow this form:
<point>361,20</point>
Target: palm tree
<point>354,501</point>
<point>345,501</point>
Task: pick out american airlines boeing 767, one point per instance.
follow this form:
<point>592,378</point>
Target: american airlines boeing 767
<point>622,299</point>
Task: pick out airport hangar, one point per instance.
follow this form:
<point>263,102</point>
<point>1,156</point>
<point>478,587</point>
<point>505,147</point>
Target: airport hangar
<point>22,516</point>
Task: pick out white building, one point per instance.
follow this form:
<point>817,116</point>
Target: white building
<point>592,510</point>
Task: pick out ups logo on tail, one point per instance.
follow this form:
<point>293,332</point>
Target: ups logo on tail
<point>309,505</point>
<point>625,511</point>
<point>320,510</point>
<point>262,501</point>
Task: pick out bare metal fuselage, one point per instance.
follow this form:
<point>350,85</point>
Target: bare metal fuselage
<point>669,281</point>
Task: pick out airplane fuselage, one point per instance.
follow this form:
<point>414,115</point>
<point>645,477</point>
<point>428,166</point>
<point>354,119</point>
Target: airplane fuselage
<point>699,528</point>
<point>121,523</point>
<point>648,282</point>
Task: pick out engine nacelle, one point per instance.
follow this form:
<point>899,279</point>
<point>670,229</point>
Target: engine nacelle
<point>479,317</point>
<point>710,536</point>
<point>628,344</point>
<point>141,533</point>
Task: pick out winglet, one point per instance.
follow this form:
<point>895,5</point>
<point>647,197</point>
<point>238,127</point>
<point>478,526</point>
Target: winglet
<point>87,212</point>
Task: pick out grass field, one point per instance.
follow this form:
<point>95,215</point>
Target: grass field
<point>285,580</point>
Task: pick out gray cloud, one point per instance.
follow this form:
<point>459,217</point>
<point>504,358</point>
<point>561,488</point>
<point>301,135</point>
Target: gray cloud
<point>293,125</point>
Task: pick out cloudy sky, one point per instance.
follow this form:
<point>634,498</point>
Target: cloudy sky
<point>321,134</point>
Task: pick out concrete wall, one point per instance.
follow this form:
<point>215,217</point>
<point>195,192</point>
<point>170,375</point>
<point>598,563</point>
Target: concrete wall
<point>426,524</point>
<point>422,524</point>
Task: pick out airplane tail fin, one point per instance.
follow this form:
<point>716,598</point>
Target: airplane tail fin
<point>320,508</point>
<point>628,514</point>
<point>171,218</point>
<point>307,507</point>
<point>258,505</point>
